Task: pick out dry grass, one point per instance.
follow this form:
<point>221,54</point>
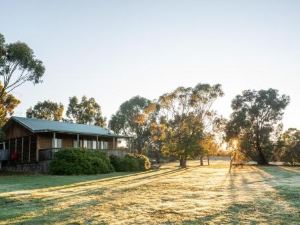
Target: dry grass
<point>197,195</point>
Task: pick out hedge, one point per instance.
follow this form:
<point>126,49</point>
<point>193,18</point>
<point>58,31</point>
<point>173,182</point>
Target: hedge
<point>79,162</point>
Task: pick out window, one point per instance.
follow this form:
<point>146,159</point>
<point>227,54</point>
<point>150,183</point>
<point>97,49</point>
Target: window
<point>85,143</point>
<point>94,145</point>
<point>57,143</point>
<point>105,145</point>
<point>122,143</point>
<point>75,144</point>
<point>90,144</point>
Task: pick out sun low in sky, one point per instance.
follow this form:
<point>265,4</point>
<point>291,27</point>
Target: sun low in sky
<point>114,50</point>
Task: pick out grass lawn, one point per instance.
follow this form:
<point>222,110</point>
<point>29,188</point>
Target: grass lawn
<point>196,195</point>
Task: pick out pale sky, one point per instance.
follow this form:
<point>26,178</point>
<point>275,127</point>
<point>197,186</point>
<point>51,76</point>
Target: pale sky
<point>114,50</point>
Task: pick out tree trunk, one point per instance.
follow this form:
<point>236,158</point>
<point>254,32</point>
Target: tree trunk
<point>262,159</point>
<point>157,156</point>
<point>231,162</point>
<point>139,148</point>
<point>201,161</point>
<point>208,163</point>
<point>182,162</point>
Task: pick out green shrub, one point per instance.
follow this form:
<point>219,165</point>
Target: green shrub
<point>144,162</point>
<point>116,162</point>
<point>80,161</point>
<point>131,162</point>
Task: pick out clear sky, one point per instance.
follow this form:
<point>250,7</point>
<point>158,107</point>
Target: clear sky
<point>114,50</point>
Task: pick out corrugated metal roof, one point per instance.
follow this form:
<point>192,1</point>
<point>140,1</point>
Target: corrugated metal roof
<point>38,125</point>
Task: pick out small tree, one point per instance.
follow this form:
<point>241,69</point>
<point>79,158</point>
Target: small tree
<point>88,111</point>
<point>183,138</point>
<point>130,120</point>
<point>187,114</point>
<point>47,110</point>
<point>210,147</point>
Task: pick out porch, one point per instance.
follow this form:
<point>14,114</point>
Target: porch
<point>42,146</point>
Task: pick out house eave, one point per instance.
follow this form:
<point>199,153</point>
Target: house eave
<point>80,133</point>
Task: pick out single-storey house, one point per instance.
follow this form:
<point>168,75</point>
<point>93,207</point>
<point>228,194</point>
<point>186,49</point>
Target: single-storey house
<point>29,140</point>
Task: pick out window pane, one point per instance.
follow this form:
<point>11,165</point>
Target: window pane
<point>58,143</point>
<point>75,144</point>
<point>90,144</point>
<point>105,145</point>
<point>94,145</point>
<point>85,144</point>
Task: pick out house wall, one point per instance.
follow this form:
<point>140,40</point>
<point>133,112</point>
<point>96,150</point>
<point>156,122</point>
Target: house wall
<point>100,139</point>
<point>15,131</point>
<point>44,141</point>
<point>110,143</point>
<point>67,140</point>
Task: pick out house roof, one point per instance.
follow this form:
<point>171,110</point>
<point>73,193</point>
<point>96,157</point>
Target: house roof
<point>40,126</point>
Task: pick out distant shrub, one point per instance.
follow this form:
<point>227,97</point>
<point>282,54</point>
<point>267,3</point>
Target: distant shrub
<point>80,161</point>
<point>131,162</point>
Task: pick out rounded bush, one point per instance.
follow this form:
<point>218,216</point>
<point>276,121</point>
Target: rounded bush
<point>131,162</point>
<point>80,161</point>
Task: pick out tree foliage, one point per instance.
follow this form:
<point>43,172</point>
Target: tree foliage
<point>87,111</point>
<point>130,120</point>
<point>185,115</point>
<point>47,110</point>
<point>18,65</point>
<point>158,128</point>
<point>256,116</point>
<point>209,145</point>
<point>289,146</point>
<point>9,103</point>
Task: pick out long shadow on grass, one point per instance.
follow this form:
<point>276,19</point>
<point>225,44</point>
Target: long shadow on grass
<point>252,212</point>
<point>289,190</point>
<point>234,213</point>
<point>123,179</point>
<point>75,214</point>
<point>32,182</point>
<point>246,213</point>
<point>99,189</point>
<point>16,209</point>
<point>23,182</point>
